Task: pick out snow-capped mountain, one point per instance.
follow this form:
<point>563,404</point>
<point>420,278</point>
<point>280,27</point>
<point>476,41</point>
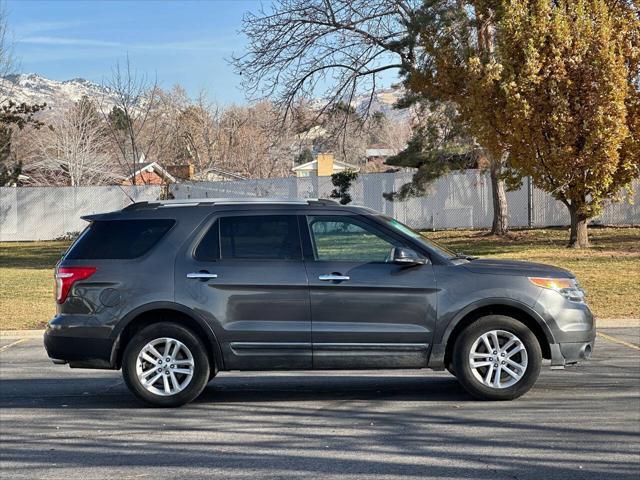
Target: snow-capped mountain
<point>32,88</point>
<point>383,101</point>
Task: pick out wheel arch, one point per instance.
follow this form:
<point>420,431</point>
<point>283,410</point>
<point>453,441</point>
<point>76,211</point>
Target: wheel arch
<point>155,312</point>
<point>509,308</point>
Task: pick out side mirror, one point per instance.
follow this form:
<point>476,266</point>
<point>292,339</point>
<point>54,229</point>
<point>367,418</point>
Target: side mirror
<point>406,256</point>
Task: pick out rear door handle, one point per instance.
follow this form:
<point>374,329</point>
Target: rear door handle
<point>201,275</point>
<point>328,277</point>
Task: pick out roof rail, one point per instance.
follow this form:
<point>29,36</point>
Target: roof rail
<point>321,201</point>
<point>149,205</point>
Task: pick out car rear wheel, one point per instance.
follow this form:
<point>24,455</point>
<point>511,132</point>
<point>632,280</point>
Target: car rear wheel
<point>497,358</point>
<point>166,365</point>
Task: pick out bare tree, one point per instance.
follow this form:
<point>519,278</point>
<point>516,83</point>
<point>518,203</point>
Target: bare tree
<point>393,133</point>
<point>134,129</point>
<point>193,129</point>
<point>73,150</point>
<point>202,136</point>
<point>337,48</point>
<point>249,143</point>
<point>300,47</point>
<point>7,60</point>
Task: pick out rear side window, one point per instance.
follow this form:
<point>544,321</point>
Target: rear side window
<point>264,237</point>
<point>119,239</point>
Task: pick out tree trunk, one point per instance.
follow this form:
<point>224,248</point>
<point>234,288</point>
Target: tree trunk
<point>500,217</point>
<point>579,236</point>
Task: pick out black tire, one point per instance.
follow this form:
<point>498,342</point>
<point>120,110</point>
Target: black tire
<point>462,351</point>
<point>201,367</point>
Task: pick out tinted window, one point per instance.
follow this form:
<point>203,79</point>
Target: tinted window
<point>121,239</point>
<point>349,240</point>
<point>260,237</point>
<point>208,249</point>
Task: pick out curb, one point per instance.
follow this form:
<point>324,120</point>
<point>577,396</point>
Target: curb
<point>617,322</point>
<point>11,334</point>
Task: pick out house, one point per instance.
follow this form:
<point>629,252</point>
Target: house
<point>376,157</point>
<point>323,165</point>
<point>149,173</point>
<point>215,174</point>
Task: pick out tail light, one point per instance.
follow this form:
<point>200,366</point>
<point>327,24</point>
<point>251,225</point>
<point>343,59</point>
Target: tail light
<point>67,276</point>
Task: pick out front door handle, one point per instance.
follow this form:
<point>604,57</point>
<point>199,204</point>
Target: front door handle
<point>328,277</point>
<point>202,275</point>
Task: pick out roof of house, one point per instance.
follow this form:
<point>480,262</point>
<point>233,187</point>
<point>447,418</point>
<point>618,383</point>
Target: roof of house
<point>313,165</point>
<point>151,166</point>
<point>222,173</point>
<point>380,152</point>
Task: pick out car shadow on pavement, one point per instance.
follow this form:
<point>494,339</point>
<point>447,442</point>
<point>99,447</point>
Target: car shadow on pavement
<point>317,427</point>
<point>100,392</point>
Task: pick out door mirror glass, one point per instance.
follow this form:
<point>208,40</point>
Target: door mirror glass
<point>406,256</point>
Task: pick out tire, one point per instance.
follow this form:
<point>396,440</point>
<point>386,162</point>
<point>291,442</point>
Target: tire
<point>186,374</point>
<point>517,368</point>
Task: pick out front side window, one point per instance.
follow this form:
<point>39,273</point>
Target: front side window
<point>347,239</point>
<point>260,237</point>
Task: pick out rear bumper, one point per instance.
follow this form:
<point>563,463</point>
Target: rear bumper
<point>72,341</point>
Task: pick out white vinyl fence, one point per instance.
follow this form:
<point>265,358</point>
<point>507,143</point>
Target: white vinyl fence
<point>458,200</point>
<point>47,213</point>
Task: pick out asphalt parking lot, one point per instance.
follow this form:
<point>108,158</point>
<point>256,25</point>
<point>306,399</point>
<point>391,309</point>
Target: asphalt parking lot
<point>580,423</point>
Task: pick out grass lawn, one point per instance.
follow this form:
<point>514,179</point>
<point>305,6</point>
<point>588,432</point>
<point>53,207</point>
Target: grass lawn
<point>610,271</point>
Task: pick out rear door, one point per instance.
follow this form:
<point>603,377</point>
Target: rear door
<point>245,274</point>
<point>366,311</point>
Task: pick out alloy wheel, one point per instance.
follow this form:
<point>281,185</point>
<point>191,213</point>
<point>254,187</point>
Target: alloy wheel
<point>165,366</point>
<point>498,359</point>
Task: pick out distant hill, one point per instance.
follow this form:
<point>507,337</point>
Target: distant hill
<point>33,88</point>
<point>383,101</point>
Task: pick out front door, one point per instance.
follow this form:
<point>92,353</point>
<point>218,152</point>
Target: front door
<point>366,311</point>
<point>246,276</point>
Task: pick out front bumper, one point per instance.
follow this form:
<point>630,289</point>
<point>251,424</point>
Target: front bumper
<point>570,353</point>
<point>575,332</point>
<point>571,328</point>
<point>76,342</point>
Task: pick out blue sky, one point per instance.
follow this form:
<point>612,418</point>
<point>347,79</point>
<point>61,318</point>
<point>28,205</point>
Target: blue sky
<point>180,42</point>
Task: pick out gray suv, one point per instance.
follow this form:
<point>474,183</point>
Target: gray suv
<point>174,292</point>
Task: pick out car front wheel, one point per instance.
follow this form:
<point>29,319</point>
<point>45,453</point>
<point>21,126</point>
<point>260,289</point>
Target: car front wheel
<point>497,358</point>
<point>165,365</point>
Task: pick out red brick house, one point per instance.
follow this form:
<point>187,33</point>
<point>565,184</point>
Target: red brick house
<point>149,173</point>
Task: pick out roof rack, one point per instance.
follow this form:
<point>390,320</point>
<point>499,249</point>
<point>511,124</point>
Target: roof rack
<point>191,202</point>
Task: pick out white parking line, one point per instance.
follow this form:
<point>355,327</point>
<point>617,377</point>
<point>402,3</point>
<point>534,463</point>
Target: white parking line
<point>6,347</point>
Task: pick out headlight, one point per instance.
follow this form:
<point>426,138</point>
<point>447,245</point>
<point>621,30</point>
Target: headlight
<point>567,287</point>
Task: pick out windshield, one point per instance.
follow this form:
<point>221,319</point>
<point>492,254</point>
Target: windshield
<point>400,227</point>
